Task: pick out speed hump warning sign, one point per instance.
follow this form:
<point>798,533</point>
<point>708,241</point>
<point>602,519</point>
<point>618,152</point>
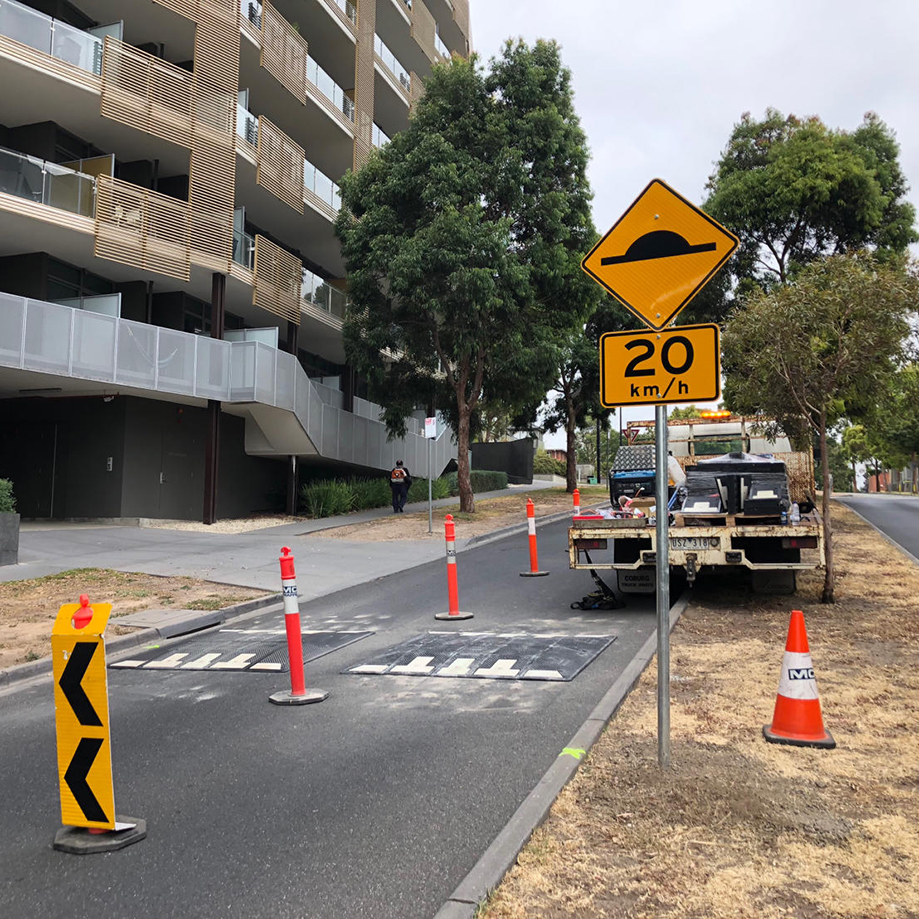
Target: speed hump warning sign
<point>682,364</point>
<point>660,253</point>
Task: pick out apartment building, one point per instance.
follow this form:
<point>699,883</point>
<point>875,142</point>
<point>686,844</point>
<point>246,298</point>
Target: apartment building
<point>171,288</point>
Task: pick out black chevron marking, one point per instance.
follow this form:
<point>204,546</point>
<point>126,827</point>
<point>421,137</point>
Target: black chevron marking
<point>71,680</point>
<point>75,777</point>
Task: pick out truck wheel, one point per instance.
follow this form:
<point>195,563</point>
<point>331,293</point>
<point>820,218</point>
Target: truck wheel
<point>774,582</point>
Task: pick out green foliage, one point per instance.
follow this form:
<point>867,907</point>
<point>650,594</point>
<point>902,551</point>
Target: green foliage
<point>793,190</point>
<point>482,480</point>
<point>543,464</point>
<point>327,498</point>
<point>461,237</point>
<point>440,488</point>
<point>368,493</point>
<point>685,413</point>
<point>7,499</point>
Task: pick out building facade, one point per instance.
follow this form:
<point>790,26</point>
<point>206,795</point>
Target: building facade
<point>171,288</point>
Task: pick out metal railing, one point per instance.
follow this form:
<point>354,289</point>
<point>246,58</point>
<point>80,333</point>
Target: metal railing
<point>50,35</point>
<point>319,293</point>
<point>329,88</point>
<point>391,62</point>
<point>47,183</point>
<point>246,125</point>
<point>244,249</point>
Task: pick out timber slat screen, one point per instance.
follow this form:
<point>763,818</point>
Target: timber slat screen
<point>364,78</point>
<point>278,280</point>
<point>284,52</point>
<point>147,93</point>
<point>142,228</point>
<point>280,164</point>
<point>424,29</point>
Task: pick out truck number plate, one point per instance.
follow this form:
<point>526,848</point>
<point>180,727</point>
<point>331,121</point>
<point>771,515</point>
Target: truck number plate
<point>695,543</point>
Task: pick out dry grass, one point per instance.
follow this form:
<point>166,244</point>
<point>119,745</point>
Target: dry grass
<point>739,827</point>
<point>28,608</point>
<point>490,515</point>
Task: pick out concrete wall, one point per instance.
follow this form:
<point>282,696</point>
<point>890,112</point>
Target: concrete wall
<point>56,452</point>
<point>514,457</point>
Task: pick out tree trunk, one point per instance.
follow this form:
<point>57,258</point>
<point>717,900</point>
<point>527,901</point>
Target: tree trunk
<point>463,476</point>
<point>829,582</point>
<point>854,477</point>
<point>571,466</point>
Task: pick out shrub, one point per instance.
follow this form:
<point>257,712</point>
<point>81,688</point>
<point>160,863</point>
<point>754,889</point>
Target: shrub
<point>440,488</point>
<point>327,498</point>
<point>482,480</point>
<point>543,464</point>
<point>369,493</point>
<point>7,500</point>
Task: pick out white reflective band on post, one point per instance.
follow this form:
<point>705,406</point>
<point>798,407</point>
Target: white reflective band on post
<point>531,525</point>
<point>797,680</point>
<point>451,553</point>
<point>291,603</point>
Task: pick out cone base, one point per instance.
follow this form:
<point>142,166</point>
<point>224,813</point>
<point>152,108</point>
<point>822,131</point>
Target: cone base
<point>825,743</point>
<point>79,841</point>
<point>533,574</point>
<point>450,617</point>
<point>307,698</point>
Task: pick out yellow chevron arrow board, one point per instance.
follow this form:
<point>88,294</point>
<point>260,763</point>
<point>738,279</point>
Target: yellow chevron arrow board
<point>84,755</point>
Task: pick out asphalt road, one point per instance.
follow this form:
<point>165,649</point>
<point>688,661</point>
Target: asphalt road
<point>895,515</point>
<point>374,803</point>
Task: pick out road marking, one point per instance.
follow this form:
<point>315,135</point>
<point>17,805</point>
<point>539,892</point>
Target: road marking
<point>460,667</point>
<point>167,663</point>
<point>542,675</point>
<point>240,662</point>
<point>128,664</point>
<point>370,668</point>
<point>267,666</point>
<point>201,663</point>
<point>418,665</point>
<point>500,668</point>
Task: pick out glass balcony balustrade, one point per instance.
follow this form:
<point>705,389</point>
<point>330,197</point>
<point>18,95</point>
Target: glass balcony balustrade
<point>319,293</point>
<point>320,184</point>
<point>379,138</point>
<point>329,88</point>
<point>441,48</point>
<point>244,249</point>
<point>348,9</point>
<point>50,35</point>
<point>47,183</point>
<point>392,63</point>
<point>246,124</point>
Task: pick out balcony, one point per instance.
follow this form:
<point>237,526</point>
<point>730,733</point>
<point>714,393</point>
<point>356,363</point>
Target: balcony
<point>47,183</point>
<point>348,9</point>
<point>51,36</point>
<point>440,47</point>
<point>320,294</point>
<point>330,89</point>
<point>243,248</point>
<point>285,413</point>
<point>246,125</point>
<point>389,61</point>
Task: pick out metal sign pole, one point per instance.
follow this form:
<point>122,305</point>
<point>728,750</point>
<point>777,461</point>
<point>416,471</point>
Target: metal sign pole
<point>663,588</point>
<point>430,502</point>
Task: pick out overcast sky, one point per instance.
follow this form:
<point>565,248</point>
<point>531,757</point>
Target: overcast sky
<point>659,84</point>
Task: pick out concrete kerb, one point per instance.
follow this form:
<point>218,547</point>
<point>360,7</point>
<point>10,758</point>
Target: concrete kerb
<point>501,855</point>
<point>22,672</point>
<point>515,529</point>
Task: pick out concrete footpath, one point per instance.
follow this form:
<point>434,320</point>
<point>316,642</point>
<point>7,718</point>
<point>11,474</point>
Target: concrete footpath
<point>246,559</point>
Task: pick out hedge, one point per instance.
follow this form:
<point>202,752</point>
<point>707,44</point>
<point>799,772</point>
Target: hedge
<point>7,501</point>
<point>331,497</point>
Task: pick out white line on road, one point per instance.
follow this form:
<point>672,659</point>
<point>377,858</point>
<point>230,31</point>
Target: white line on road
<point>542,675</point>
<point>370,668</point>
<point>129,664</point>
<point>203,662</point>
<point>500,668</point>
<point>240,662</point>
<point>459,667</point>
<point>167,663</point>
<point>418,665</point>
<point>266,666</point>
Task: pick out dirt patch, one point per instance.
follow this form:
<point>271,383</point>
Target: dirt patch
<point>490,515</point>
<point>226,527</point>
<point>28,608</point>
<point>739,827</point>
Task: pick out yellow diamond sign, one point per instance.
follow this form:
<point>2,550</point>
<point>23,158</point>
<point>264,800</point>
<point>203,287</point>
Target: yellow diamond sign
<point>659,255</point>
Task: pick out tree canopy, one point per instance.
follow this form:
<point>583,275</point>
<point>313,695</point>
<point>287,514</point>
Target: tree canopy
<point>794,190</point>
<point>458,238</point>
<point>812,351</point>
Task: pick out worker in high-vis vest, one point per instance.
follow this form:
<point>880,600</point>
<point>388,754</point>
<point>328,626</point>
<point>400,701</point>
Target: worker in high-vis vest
<point>399,481</point>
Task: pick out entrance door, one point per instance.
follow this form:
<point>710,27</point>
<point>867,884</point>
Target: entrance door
<point>29,460</point>
<point>181,473</point>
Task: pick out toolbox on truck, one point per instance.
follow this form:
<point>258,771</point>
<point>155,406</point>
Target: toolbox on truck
<point>632,472</point>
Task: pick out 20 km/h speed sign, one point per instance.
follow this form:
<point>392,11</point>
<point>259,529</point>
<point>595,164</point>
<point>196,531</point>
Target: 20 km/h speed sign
<point>653,368</point>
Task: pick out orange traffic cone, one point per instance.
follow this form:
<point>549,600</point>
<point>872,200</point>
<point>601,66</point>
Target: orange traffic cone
<point>797,719</point>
